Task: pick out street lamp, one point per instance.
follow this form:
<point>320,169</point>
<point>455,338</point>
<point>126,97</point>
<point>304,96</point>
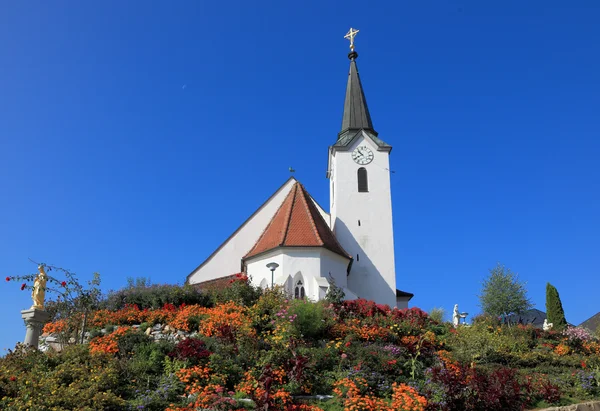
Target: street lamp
<point>272,267</point>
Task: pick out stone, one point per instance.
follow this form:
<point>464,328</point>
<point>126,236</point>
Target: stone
<point>34,322</point>
<point>586,406</point>
<point>148,331</point>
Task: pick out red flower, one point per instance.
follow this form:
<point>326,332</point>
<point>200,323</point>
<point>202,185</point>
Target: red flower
<point>583,364</point>
<point>347,344</point>
<point>13,378</point>
<point>64,283</point>
<point>23,286</point>
<point>7,278</point>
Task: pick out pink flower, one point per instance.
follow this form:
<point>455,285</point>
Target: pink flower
<point>344,356</point>
<point>23,286</point>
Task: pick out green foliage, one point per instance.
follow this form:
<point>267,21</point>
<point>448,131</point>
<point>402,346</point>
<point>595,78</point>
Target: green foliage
<point>312,319</point>
<point>503,294</point>
<point>437,314</point>
<point>554,309</point>
<point>154,296</point>
<point>335,294</point>
<point>297,347</point>
<point>138,282</point>
<point>240,291</point>
<point>486,344</point>
<point>67,381</point>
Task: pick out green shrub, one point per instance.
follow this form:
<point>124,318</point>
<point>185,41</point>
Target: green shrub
<point>155,296</point>
<point>437,314</point>
<point>312,319</point>
<point>554,308</point>
<point>72,379</point>
<point>240,291</point>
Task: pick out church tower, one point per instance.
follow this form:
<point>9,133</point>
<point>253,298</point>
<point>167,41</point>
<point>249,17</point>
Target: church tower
<point>360,195</point>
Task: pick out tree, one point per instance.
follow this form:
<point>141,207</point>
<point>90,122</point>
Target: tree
<point>554,308</point>
<point>503,294</point>
<point>73,301</point>
<point>437,314</point>
<point>334,295</point>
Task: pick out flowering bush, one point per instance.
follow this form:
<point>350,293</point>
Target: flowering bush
<point>191,350</point>
<point>272,349</point>
<point>576,335</point>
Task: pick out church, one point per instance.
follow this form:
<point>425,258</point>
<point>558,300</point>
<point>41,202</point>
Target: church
<point>291,241</point>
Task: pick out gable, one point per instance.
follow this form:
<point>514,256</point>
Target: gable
<point>226,259</point>
<point>297,223</point>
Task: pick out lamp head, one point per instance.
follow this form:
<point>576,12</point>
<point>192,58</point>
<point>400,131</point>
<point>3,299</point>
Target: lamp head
<point>272,266</point>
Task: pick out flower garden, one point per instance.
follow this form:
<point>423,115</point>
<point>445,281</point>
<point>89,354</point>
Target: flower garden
<point>249,349</point>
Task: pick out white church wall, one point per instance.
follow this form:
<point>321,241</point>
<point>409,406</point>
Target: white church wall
<point>227,259</point>
<point>323,213</point>
<point>256,268</point>
<point>295,263</point>
<point>336,266</point>
<point>402,302</point>
<point>371,243</point>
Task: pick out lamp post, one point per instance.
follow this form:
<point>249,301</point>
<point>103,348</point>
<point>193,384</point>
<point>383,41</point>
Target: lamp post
<point>272,267</point>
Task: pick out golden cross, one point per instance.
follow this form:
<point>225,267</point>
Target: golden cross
<point>350,36</point>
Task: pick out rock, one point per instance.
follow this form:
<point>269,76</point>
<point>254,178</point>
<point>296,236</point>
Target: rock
<point>587,406</point>
<point>148,331</point>
<point>157,327</point>
<point>167,328</point>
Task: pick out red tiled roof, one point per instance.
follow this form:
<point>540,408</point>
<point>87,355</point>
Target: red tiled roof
<point>297,223</point>
<point>216,283</point>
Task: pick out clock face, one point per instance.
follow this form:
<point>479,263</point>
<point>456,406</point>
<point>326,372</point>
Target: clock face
<point>362,155</point>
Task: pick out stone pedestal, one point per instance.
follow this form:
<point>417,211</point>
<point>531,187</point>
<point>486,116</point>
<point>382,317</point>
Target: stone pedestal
<point>34,322</point>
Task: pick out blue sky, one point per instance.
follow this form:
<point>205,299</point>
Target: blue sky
<point>136,136</point>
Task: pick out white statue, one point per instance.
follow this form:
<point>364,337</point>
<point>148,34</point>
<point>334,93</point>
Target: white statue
<point>455,316</point>
<point>547,326</point>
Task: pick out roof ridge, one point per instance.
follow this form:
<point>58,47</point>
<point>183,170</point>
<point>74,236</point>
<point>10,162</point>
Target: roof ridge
<point>311,205</point>
<point>289,215</point>
<point>310,214</point>
<point>270,222</point>
<point>187,279</point>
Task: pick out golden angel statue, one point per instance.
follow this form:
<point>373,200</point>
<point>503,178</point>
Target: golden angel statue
<point>39,289</point>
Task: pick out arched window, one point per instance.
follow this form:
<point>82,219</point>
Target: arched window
<point>299,290</point>
<point>264,284</point>
<point>363,184</point>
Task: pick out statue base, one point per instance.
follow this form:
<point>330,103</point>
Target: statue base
<point>34,323</point>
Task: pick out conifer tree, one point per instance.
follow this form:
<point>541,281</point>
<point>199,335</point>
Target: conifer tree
<point>554,308</point>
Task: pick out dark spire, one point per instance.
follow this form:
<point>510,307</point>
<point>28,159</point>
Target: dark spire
<point>356,113</point>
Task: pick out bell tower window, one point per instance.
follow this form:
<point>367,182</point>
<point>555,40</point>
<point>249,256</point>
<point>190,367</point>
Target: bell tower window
<point>363,183</point>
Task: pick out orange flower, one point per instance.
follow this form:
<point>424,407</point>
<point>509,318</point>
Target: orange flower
<point>108,344</point>
<point>406,398</point>
<point>54,327</point>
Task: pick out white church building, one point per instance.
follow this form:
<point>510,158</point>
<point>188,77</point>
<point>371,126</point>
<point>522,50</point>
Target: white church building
<point>352,244</point>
